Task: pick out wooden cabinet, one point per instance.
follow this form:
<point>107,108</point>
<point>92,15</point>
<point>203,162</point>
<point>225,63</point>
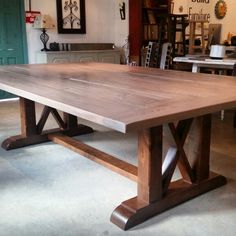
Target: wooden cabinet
<point>146,23</point>
<point>107,56</point>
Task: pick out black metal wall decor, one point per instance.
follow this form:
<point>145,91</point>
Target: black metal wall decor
<point>71,16</point>
<point>122,10</point>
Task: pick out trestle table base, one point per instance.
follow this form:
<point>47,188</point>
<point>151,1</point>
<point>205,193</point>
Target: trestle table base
<point>155,191</point>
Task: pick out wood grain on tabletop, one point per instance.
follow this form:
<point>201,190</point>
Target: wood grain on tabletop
<point>119,96</point>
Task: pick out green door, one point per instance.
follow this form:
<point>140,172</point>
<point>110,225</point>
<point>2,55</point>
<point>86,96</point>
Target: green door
<point>12,35</point>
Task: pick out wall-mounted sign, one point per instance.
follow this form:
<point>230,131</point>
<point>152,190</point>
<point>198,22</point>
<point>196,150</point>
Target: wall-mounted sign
<point>198,16</point>
<point>220,9</point>
<point>201,1</point>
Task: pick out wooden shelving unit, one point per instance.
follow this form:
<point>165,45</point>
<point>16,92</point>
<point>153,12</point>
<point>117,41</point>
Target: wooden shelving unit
<point>146,23</point>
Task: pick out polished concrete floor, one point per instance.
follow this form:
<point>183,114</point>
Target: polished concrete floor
<point>49,190</point>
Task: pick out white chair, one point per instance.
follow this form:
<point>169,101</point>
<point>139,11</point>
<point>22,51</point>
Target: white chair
<point>166,56</point>
<point>158,57</point>
<point>152,55</point>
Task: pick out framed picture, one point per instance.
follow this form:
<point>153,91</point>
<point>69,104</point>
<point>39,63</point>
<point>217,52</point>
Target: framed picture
<point>71,16</point>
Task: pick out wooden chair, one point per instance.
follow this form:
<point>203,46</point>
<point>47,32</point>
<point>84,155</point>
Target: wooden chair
<point>177,24</point>
<point>234,118</point>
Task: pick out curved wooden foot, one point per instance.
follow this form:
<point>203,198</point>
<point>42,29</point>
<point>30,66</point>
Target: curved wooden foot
<point>22,141</point>
<point>125,217</point>
<point>133,212</point>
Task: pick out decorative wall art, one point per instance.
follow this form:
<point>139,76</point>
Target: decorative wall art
<point>220,9</point>
<point>122,10</point>
<point>71,16</point>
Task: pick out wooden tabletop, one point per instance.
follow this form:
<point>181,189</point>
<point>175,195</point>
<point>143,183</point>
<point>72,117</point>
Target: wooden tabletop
<point>120,97</point>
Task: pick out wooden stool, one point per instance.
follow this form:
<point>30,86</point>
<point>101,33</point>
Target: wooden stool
<point>192,35</point>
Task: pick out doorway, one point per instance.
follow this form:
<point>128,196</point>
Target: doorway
<point>13,45</point>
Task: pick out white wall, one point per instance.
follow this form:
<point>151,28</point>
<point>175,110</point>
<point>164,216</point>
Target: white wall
<point>103,25</point>
<point>121,27</point>
<point>183,4</point>
<point>229,21</point>
<point>196,7</point>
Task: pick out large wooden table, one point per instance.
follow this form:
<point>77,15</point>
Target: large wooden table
<point>128,99</point>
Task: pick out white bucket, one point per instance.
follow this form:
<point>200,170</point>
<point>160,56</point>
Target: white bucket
<point>217,51</point>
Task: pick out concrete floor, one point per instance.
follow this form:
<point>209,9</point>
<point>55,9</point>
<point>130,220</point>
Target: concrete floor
<point>49,190</point>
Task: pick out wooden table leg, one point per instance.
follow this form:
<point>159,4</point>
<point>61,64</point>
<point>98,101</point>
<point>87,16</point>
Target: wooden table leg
<point>153,195</point>
<point>32,132</point>
<point>234,119</point>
